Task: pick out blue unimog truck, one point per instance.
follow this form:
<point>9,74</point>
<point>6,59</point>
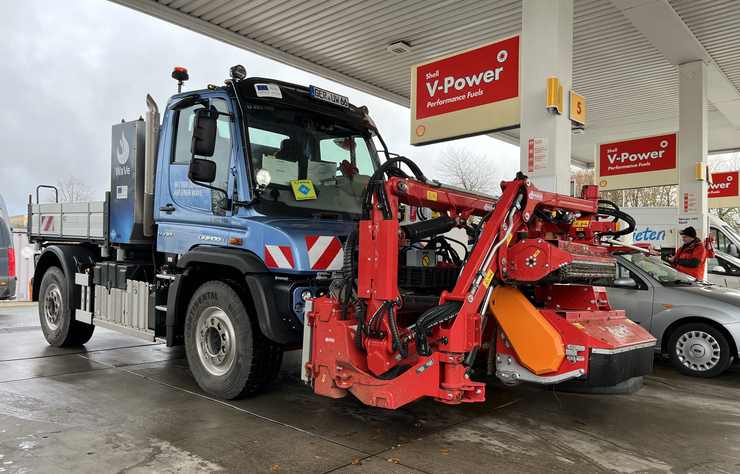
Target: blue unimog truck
<point>221,221</point>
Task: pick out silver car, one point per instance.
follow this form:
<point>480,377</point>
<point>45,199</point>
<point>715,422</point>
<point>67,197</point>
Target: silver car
<point>696,323</point>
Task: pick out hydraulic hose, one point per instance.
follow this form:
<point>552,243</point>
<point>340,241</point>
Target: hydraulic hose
<point>610,208</point>
<point>375,185</point>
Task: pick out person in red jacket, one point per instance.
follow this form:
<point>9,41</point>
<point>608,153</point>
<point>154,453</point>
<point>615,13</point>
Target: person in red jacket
<point>691,258</point>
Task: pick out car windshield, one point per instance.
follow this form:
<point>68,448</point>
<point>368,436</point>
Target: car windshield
<point>660,270</point>
<point>314,162</point>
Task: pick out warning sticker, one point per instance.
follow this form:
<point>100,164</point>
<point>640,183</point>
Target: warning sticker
<point>487,279</point>
<point>268,90</point>
<point>303,189</point>
<point>537,154</point>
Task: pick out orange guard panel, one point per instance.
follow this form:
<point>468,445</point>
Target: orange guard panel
<point>537,344</point>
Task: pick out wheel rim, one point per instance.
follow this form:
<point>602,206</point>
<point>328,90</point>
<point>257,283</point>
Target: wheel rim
<point>53,306</point>
<point>698,350</point>
<point>216,341</point>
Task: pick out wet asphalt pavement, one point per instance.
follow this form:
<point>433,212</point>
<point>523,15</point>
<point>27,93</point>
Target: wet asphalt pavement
<point>121,404</point>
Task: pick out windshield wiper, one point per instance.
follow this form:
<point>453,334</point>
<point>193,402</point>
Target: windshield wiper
<point>679,281</point>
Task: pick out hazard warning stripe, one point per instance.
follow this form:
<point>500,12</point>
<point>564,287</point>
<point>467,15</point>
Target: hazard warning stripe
<point>325,252</point>
<point>279,256</point>
<point>47,223</point>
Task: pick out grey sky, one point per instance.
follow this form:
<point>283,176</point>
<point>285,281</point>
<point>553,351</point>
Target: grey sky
<point>71,69</point>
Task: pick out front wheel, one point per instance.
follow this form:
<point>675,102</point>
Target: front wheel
<point>227,354</point>
<point>56,313</point>
<point>699,350</point>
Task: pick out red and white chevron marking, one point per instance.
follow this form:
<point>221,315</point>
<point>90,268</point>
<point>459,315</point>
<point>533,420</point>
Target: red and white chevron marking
<point>325,252</point>
<point>279,256</point>
<point>47,224</point>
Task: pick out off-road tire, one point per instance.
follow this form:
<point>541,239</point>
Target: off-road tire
<point>256,360</point>
<point>56,314</point>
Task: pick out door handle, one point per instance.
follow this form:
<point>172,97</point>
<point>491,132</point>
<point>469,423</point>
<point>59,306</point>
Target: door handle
<point>168,208</point>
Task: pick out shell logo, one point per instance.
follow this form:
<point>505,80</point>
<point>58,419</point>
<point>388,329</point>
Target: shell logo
<point>421,130</point>
<point>603,183</point>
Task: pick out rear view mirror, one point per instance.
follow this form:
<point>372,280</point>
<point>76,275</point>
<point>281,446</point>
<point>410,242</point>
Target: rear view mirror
<point>625,283</point>
<point>203,171</point>
<point>204,132</point>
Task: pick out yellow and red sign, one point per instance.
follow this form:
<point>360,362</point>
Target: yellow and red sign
<point>640,162</point>
<point>724,190</point>
<point>466,93</point>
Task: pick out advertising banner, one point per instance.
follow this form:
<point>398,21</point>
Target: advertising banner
<point>466,93</point>
<point>638,163</point>
<point>724,190</point>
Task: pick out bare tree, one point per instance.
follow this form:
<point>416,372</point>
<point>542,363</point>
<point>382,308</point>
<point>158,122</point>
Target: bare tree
<point>656,196</point>
<point>581,177</point>
<point>72,189</point>
<point>469,170</point>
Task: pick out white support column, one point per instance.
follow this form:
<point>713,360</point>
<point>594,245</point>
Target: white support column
<point>546,50</point>
<point>693,207</point>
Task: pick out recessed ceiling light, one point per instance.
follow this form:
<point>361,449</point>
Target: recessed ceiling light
<point>398,47</point>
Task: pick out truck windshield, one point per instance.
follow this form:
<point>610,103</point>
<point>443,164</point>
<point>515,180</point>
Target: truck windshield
<point>660,270</point>
<point>315,164</point>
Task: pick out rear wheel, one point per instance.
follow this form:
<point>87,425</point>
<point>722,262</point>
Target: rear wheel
<point>700,350</point>
<point>227,354</point>
<point>56,314</point>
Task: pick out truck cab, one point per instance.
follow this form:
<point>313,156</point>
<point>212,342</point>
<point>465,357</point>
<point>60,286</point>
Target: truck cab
<point>290,170</point>
<point>223,219</point>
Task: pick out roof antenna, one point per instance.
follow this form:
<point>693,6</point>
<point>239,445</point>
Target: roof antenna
<point>181,75</point>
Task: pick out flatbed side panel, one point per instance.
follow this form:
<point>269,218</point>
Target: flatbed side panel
<point>68,221</point>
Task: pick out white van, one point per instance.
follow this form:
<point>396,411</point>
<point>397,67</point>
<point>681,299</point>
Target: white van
<point>658,226</point>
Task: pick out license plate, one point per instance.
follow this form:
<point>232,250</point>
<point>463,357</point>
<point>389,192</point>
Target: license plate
<point>328,96</point>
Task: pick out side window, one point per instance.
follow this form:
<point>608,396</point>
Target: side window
<point>184,137</point>
<point>721,242</point>
<point>732,269</point>
<point>222,153</point>
<point>623,272</point>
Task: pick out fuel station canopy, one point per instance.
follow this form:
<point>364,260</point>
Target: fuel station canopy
<point>626,53</point>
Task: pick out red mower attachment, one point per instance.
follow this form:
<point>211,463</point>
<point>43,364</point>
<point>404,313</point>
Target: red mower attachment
<point>525,296</point>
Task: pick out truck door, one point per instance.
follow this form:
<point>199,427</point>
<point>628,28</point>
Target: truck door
<point>190,214</point>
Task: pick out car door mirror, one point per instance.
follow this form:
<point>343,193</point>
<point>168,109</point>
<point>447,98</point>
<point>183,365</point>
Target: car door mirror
<point>202,171</point>
<point>718,269</point>
<point>204,132</point>
<point>625,283</point>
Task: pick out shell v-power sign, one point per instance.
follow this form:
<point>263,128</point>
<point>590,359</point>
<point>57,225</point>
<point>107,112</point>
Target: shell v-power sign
<point>467,93</point>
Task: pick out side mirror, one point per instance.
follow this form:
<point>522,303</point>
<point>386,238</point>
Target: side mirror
<point>718,269</point>
<point>625,283</point>
<point>202,171</point>
<point>204,132</point>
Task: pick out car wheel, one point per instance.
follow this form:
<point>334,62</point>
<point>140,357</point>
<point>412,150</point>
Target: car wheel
<point>56,314</point>
<point>700,350</point>
<point>227,354</point>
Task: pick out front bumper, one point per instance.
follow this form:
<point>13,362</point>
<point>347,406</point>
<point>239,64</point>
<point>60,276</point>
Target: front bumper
<point>607,368</point>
